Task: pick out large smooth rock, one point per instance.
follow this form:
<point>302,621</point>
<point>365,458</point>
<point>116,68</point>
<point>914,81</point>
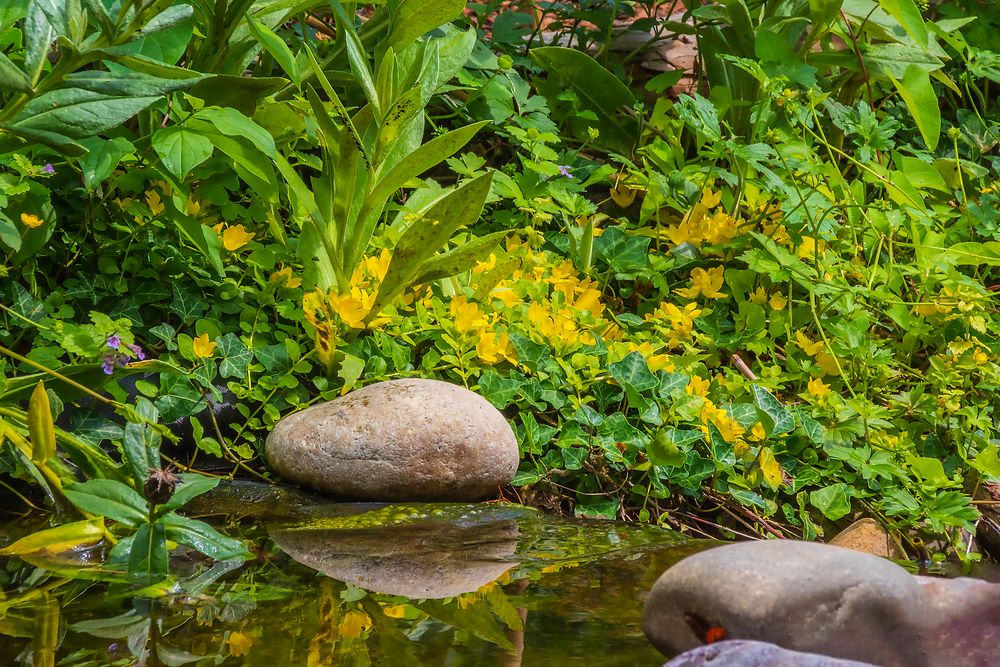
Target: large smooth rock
<point>399,440</point>
<point>868,536</point>
<point>742,653</point>
<point>802,596</point>
<point>818,598</point>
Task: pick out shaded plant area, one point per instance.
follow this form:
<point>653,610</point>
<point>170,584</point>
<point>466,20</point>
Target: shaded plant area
<point>765,308</point>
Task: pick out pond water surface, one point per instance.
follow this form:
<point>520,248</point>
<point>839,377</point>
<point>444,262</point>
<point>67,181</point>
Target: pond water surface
<point>355,584</point>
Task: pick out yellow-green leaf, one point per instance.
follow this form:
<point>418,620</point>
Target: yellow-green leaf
<point>61,539</point>
<point>40,425</point>
<point>769,467</point>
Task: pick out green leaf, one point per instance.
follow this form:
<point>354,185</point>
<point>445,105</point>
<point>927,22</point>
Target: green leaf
<point>68,537</point>
<point>202,537</point>
<point>12,77</point>
<point>599,91</point>
<point>773,415</point>
<point>987,462</point>
<point>633,371</point>
<point>232,123</point>
<point>236,358</point>
<point>459,259</point>
<point>102,158</point>
<point>669,447</point>
<point>414,18</point>
<point>833,501</point>
<point>460,207</point>
<point>91,102</point>
<point>110,499</point>
<point>141,443</point>
<point>148,561</point>
<point>357,57</point>
<point>41,427</point>
<point>181,149</point>
<point>908,15</point>
<point>277,49</point>
<point>192,485</point>
<point>918,93</point>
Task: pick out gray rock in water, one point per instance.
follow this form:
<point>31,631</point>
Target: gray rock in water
<point>741,653</point>
<point>399,440</point>
<point>824,599</point>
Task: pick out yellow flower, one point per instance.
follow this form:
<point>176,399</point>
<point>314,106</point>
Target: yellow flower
<point>466,315</point>
<point>809,347</point>
<point>818,389</point>
<point>203,347</point>
<point>706,283</point>
<point>235,237</point>
<point>681,321</point>
<point>284,275</point>
<point>239,643</point>
<point>31,220</point>
<point>655,362</point>
<point>480,267</point>
<point>154,202</point>
<point>809,247</point>
<point>757,433</point>
<point>192,206</point>
<point>395,610</point>
<point>697,386</point>
<point>758,296</point>
<point>354,623</point>
<point>351,308</point>
<point>492,348</point>
<point>778,301</point>
<point>590,301</point>
<point>710,199</point>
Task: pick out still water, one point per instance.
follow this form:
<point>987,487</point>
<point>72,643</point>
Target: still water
<point>354,584</point>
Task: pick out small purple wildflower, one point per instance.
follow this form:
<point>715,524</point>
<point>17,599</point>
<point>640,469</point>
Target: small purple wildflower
<point>114,342</point>
<point>49,169</point>
<point>137,351</point>
<point>565,170</point>
<point>109,364</point>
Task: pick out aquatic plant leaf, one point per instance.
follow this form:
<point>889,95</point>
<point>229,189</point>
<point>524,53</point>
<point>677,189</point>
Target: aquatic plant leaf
<point>41,427</point>
<point>202,537</point>
<point>148,559</point>
<point>61,539</point>
<point>110,499</point>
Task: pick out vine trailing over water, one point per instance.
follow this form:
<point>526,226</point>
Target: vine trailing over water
<point>764,307</point>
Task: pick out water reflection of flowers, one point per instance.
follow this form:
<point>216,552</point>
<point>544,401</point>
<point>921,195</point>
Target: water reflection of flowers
<point>119,356</point>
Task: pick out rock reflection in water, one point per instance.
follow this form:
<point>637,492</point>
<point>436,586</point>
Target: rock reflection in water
<point>428,559</point>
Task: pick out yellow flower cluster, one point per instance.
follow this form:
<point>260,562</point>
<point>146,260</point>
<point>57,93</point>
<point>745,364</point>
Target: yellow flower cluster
<point>710,413</point>
<point>703,226</point>
<point>676,322</point>
<point>817,350</point>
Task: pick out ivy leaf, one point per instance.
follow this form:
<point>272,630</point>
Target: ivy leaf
<point>236,357</point>
<point>773,415</point>
<point>833,501</point>
<point>769,467</point>
<point>633,371</point>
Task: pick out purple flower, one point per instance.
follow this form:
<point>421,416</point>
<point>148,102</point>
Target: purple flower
<point>109,364</point>
<point>564,169</point>
<point>137,351</point>
<point>114,342</point>
<point>49,169</point>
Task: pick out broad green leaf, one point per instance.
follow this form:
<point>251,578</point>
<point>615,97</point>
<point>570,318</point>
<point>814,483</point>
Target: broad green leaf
<point>414,18</point>
<point>61,539</point>
<point>458,260</point>
<point>774,417</point>
<point>429,232</point>
<point>192,485</point>
<point>277,48</point>
<point>41,426</point>
<point>202,537</point>
<point>148,559</point>
<point>428,155</point>
<point>833,501</point>
<point>987,462</point>
<point>918,94</point>
<point>39,36</point>
<point>908,15</point>
<point>669,447</point>
<point>141,443</point>
<point>12,77</point>
<point>930,471</point>
<point>103,156</point>
<point>600,91</point>
<point>110,499</point>
<point>231,122</point>
<point>181,149</point>
<point>972,253</point>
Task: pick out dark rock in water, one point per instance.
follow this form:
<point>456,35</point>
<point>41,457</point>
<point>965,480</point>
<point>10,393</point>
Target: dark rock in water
<point>422,551</point>
<point>823,599</point>
<point>742,653</point>
<point>400,440</point>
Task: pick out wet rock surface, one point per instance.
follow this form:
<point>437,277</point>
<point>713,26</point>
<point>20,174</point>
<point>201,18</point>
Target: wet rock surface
<point>823,599</point>
<point>743,653</point>
<point>399,440</point>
